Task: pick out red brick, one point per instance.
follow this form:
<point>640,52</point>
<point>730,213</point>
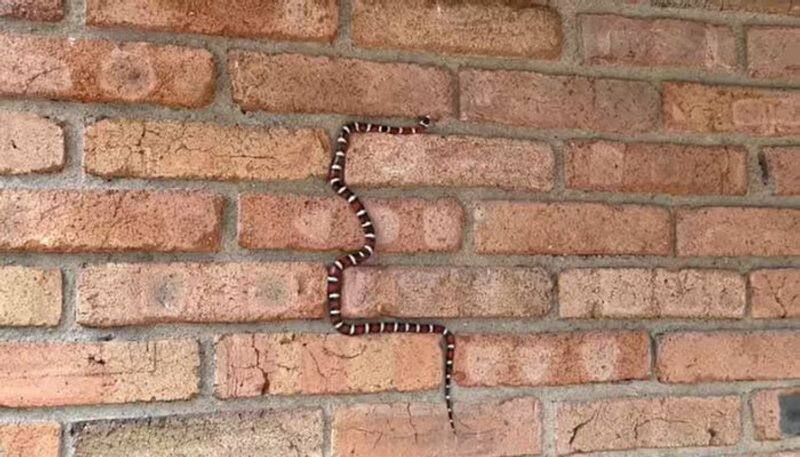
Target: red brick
<point>656,168</point>
<point>30,440</point>
<point>766,411</point>
<point>570,228</point>
<point>491,428</point>
<point>276,19</point>
<point>432,160</point>
<point>108,221</point>
<point>58,374</point>
<point>294,83</point>
<point>33,10</point>
<point>658,422</point>
<point>789,7</point>
<point>621,41</point>
<point>30,144</point>
<point>446,292</point>
<point>726,231</point>
<point>560,358</point>
<point>324,223</point>
<point>289,364</point>
<point>165,149</point>
<point>773,52</point>
<point>728,356</point>
<point>103,71</point>
<point>651,293</point>
<point>783,167</point>
<point>29,296</point>
<point>284,432</point>
<point>775,294</point>
<point>690,107</point>
<point>148,293</point>
<point>558,102</point>
<point>505,28</point>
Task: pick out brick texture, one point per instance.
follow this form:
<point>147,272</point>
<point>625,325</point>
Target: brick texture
<point>765,407</point>
<point>775,294</point>
<point>30,440</point>
<point>783,168</point>
<point>787,7</point>
<point>29,144</point>
<point>33,10</point>
<point>187,150</point>
<point>53,374</point>
<point>772,52</point>
<point>29,296</point>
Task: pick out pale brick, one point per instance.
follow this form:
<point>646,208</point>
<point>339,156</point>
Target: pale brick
<point>30,440</point>
<point>30,296</point>
<point>30,144</point>
<point>765,407</point>
<point>775,294</point>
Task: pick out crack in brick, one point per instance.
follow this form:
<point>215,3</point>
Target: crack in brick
<point>581,425</point>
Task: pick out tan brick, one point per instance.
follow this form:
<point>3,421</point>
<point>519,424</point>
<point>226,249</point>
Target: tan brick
<point>504,28</point>
<point>727,231</point>
<point>503,227</point>
<point>765,405</point>
<point>33,10</point>
<point>30,296</point>
<point>560,358</point>
<point>775,294</point>
<point>103,71</point>
<point>268,433</point>
<point>30,144</point>
<point>446,292</point>
<point>788,7</point>
<point>658,422</point>
<point>773,52</point>
<point>289,364</point>
<point>30,440</point>
<point>780,454</point>
<point>165,149</point>
<point>651,293</point>
<point>432,160</point>
<point>685,357</point>
<point>561,102</point>
<point>656,168</point>
<point>783,168</point>
<point>294,83</point>
<point>147,293</point>
<point>491,428</point>
<point>108,221</point>
<point>276,19</point>
<point>58,374</point>
<point>690,107</point>
<point>324,223</point>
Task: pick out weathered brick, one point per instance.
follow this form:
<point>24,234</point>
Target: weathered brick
<point>726,231</point>
<point>789,7</point>
<point>783,167</point>
<point>775,294</point>
<point>104,71</point>
<point>29,144</point>
<point>271,432</point>
<point>651,293</point>
<point>505,28</point>
<point>558,102</point>
<point>147,293</point>
<point>29,296</point>
<point>570,228</point>
<point>765,406</point>
<point>56,374</point>
<point>106,221</point>
<point>772,52</point>
<point>496,428</point>
<point>446,292</point>
<point>623,41</point>
<point>324,223</point>
<point>33,10</point>
<point>690,107</point>
<point>165,149</point>
<point>658,422</point>
<point>30,440</point>
<point>656,168</point>
<point>432,160</point>
<point>685,357</point>
<point>276,19</point>
<point>294,83</point>
<point>560,358</point>
<point>288,364</point>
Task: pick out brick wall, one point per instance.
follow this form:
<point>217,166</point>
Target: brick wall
<point>608,216</point>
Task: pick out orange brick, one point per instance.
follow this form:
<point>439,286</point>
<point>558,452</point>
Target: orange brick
<point>659,422</point>
<point>772,52</point>
<point>289,364</point>
<point>783,167</point>
<point>432,160</point>
<point>103,71</point>
<point>492,428</point>
<point>58,374</point>
<point>324,223</point>
<point>685,357</point>
<point>33,10</point>
<point>775,294</point>
<point>656,168</point>
<point>560,358</point>
<point>503,227</point>
<point>765,405</point>
<point>147,293</point>
<point>446,292</point>
<point>29,296</point>
<point>294,83</point>
<point>30,440</point>
<point>30,144</point>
